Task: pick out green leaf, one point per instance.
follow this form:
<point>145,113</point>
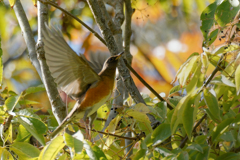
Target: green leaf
<point>11,102</point>
<point>196,147</point>
<point>161,133</point>
<point>23,135</point>
<point>139,116</point>
<point>174,100</point>
<point>24,150</point>
<point>163,151</point>
<point>73,142</point>
<point>228,136</point>
<point>237,79</point>
<point>229,156</point>
<point>204,155</point>
<point>221,128</point>
<point>207,18</point>
<point>175,89</point>
<point>5,154</point>
<point>225,13</point>
<point>183,156</point>
<point>189,113</point>
<point>193,82</point>
<point>212,104</point>
<point>50,151</point>
<point>212,37</point>
<point>222,80</point>
<point>140,154</point>
<point>27,102</point>
<point>31,90</point>
<point>36,127</point>
<point>99,153</point>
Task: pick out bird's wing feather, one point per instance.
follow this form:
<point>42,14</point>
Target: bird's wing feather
<point>71,72</point>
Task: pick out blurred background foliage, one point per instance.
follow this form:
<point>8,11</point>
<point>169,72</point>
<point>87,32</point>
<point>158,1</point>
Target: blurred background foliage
<point>165,33</point>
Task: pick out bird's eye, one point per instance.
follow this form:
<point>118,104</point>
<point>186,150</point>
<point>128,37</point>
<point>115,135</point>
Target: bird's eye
<point>111,59</point>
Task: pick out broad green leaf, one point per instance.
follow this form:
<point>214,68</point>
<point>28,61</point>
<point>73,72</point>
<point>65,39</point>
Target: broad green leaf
<point>36,127</point>
<point>212,37</point>
<point>27,102</point>
<point>99,153</point>
<point>161,133</point>
<point>6,155</point>
<point>221,128</point>
<point>212,104</point>
<point>193,82</point>
<point>73,142</point>
<point>24,150</point>
<point>23,135</point>
<point>161,109</point>
<point>237,79</point>
<point>205,62</point>
<point>229,156</point>
<point>139,116</point>
<point>163,151</point>
<point>196,147</point>
<point>78,135</point>
<point>207,18</point>
<point>177,114</point>
<point>204,155</point>
<point>183,156</point>
<point>50,151</point>
<point>222,80</point>
<point>140,107</point>
<point>189,113</point>
<point>141,153</point>
<point>225,13</point>
<point>175,89</point>
<point>11,102</point>
<point>228,137</point>
<point>63,157</point>
<point>175,99</point>
<point>31,90</point>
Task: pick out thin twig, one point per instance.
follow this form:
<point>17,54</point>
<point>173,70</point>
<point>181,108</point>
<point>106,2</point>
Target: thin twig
<point>77,19</point>
<point>147,85</point>
<point>142,134</point>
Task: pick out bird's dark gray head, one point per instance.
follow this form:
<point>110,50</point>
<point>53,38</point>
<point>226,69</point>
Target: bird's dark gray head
<point>111,63</point>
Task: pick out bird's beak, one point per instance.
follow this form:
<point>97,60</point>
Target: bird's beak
<point>119,55</point>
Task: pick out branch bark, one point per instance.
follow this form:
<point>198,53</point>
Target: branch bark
<point>112,46</point>
<point>27,35</point>
<point>58,107</point>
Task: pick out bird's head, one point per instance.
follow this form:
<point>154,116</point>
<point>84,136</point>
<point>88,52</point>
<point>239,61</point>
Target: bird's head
<point>112,61</point>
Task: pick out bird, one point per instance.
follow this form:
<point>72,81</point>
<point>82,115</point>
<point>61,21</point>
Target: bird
<point>78,77</point>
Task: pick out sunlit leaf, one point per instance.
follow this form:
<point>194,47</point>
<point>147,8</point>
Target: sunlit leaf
<point>196,147</point>
<point>237,79</point>
<point>24,150</point>
<point>161,133</point>
<point>1,64</point>
<point>51,150</point>
<point>12,2</point>
<point>212,104</point>
<point>221,128</point>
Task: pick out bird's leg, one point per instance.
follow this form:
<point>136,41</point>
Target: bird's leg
<point>85,123</point>
<point>91,119</point>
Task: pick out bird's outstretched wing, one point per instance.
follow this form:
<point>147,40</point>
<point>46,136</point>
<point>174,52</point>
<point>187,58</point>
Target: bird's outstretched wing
<point>71,72</point>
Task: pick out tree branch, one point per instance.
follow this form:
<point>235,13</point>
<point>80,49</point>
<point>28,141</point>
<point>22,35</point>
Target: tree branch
<point>58,107</point>
<point>112,46</point>
<point>27,35</point>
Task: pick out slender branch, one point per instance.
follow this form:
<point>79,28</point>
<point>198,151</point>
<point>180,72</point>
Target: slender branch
<point>137,138</point>
<point>77,19</point>
<point>128,30</point>
<point>147,85</point>
<point>58,107</point>
<point>112,46</point>
<point>217,68</point>
<point>27,35</point>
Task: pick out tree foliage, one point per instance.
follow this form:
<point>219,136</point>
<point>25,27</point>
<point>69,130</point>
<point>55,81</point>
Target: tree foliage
<point>203,124</point>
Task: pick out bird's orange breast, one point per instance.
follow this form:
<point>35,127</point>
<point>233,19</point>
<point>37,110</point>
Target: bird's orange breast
<point>102,90</point>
